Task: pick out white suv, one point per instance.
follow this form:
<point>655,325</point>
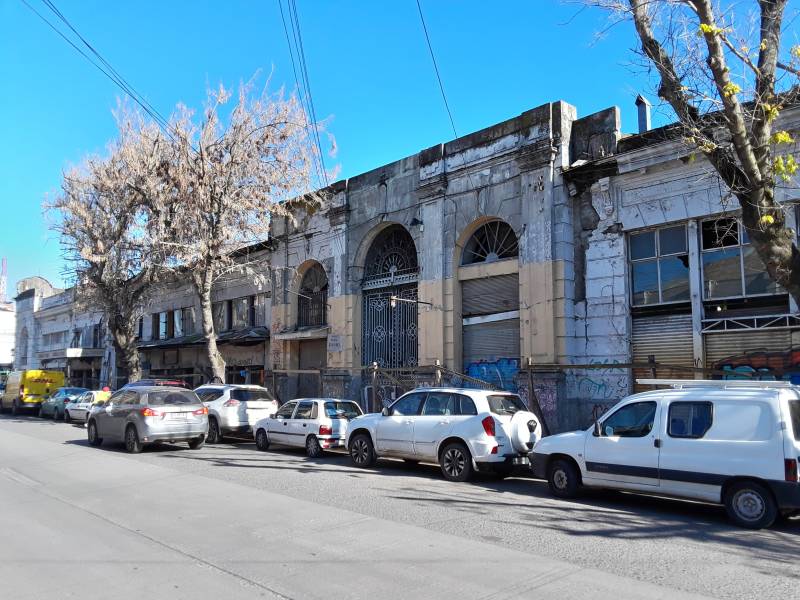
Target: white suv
<point>460,429</point>
<point>234,408</point>
<point>735,443</point>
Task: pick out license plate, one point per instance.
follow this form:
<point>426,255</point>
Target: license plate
<point>179,416</point>
<point>521,460</point>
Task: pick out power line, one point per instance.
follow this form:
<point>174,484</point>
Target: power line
<point>436,68</point>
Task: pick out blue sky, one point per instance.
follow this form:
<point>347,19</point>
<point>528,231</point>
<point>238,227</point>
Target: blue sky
<point>370,72</point>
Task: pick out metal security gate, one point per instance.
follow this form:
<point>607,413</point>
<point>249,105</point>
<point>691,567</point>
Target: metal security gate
<point>389,333</point>
<point>666,338</point>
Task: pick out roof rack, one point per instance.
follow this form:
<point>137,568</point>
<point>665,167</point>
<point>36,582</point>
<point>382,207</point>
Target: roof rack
<point>716,383</point>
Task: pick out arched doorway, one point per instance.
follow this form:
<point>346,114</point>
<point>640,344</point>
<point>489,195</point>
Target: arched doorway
<point>389,288</point>
<point>312,314</point>
<point>490,304</point>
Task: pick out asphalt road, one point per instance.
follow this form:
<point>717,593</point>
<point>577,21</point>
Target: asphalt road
<point>230,522</point>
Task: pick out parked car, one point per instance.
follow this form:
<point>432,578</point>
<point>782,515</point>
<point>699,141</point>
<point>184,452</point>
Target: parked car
<point>316,424</point>
<point>56,404</point>
<point>735,443</point>
<point>157,382</point>
<point>26,390</point>
<point>141,415</point>
<point>235,408</point>
<point>462,430</point>
<point>78,409</point>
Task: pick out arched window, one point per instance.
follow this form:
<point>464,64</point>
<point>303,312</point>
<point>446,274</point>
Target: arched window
<point>491,242</point>
<point>313,299</point>
<point>392,258</point>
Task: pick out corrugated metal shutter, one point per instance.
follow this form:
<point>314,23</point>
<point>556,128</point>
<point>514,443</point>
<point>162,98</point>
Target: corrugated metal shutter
<point>489,295</point>
<point>489,342</point>
<point>738,344</point>
<point>669,339</point>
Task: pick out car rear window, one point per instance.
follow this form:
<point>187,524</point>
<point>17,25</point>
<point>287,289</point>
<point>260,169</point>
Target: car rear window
<point>244,395</point>
<point>342,410</point>
<point>794,412</point>
<point>507,404</point>
<point>172,397</point>
<point>209,395</point>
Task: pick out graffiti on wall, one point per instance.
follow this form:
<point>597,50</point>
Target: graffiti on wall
<point>763,366</point>
<point>501,373</point>
<point>601,385</point>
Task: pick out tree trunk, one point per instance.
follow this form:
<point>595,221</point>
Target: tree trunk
<point>126,342</point>
<point>209,333</point>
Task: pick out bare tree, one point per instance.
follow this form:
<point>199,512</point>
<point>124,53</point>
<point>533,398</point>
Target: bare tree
<point>101,215</point>
<point>227,175</point>
<point>727,75</point>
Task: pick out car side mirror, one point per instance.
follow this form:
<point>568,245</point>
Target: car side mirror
<point>597,431</point>
<point>385,411</point>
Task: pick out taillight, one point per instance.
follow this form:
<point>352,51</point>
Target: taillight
<point>149,412</point>
<point>494,450</point>
<point>790,469</point>
<point>231,402</point>
<point>325,430</point>
<point>488,426</point>
<point>201,411</point>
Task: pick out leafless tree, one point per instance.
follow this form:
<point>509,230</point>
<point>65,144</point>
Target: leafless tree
<point>725,70</point>
<point>101,215</point>
<point>228,173</point>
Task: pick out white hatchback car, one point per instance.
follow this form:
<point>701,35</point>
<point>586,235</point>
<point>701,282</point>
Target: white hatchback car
<point>462,430</point>
<point>735,443</point>
<point>318,424</point>
<point>79,409</point>
<point>234,408</point>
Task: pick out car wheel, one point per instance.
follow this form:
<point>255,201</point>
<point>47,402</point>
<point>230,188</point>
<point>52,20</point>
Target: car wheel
<point>362,452</point>
<point>197,443</point>
<point>502,470</point>
<point>313,449</point>
<point>456,462</point>
<point>563,479</point>
<point>262,441</point>
<point>214,435</point>
<point>750,504</point>
<point>14,408</point>
<point>91,434</point>
<point>132,443</point>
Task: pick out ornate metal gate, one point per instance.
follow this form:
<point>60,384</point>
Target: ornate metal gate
<point>390,332</point>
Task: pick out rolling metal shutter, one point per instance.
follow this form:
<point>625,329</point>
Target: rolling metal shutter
<point>490,342</point>
<point>489,295</point>
<point>738,344</point>
<point>669,339</point>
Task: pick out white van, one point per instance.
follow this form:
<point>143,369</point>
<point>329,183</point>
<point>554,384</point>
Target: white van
<point>735,443</point>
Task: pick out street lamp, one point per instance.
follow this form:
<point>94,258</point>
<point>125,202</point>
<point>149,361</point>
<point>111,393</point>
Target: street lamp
<point>393,300</point>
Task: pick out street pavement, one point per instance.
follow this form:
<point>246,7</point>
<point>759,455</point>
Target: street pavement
<point>230,522</point>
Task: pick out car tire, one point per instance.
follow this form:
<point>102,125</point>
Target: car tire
<point>563,479</point>
<point>197,443</point>
<point>14,408</point>
<point>91,434</point>
<point>456,462</point>
<point>502,470</point>
<point>262,440</point>
<point>214,434</point>
<point>132,443</point>
<point>313,449</point>
<point>362,452</point>
<point>749,504</point>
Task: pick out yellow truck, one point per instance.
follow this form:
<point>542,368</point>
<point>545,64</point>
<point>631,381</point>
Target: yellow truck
<point>26,390</point>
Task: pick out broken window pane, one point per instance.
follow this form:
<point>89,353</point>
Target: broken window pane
<point>672,240</point>
<point>720,233</point>
<point>675,278</point>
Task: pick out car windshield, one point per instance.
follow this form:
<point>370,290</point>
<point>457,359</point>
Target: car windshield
<point>245,394</point>
<point>507,404</point>
<point>172,397</point>
<point>342,410</point>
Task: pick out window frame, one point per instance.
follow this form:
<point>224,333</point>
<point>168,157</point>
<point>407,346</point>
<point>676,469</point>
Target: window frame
<point>293,404</point>
<point>740,246</point>
<point>689,437</point>
<point>657,257</point>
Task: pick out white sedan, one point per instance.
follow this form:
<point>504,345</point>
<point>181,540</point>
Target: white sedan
<point>79,410</point>
<point>316,424</point>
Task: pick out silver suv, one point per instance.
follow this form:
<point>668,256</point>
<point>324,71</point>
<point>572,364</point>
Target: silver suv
<point>235,408</point>
<point>145,414</point>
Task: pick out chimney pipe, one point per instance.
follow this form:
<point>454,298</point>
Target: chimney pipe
<point>643,107</point>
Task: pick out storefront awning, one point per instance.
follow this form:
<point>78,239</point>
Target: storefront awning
<point>309,333</point>
<point>244,337</point>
